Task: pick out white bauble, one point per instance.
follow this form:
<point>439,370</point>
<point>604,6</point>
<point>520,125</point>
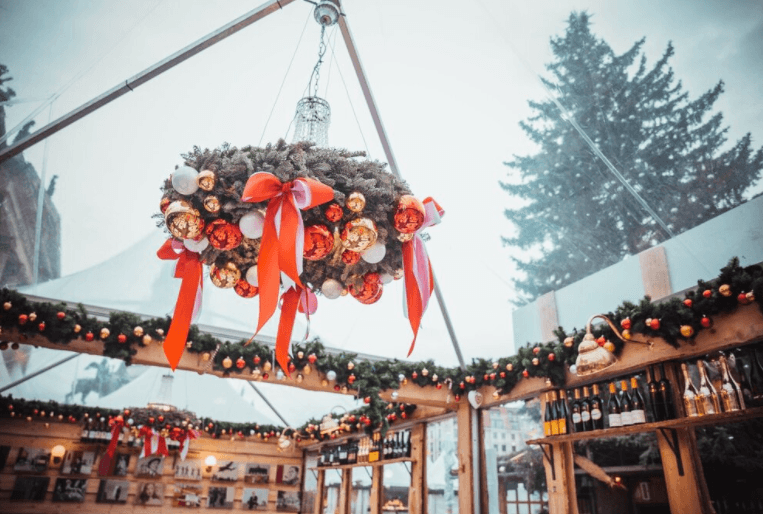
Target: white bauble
<point>184,180</point>
<point>251,224</point>
<point>386,278</point>
<point>331,289</point>
<point>251,276</point>
<point>331,375</point>
<point>374,254</point>
<point>573,369</point>
<point>196,246</point>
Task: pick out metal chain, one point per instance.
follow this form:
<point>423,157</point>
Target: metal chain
<point>317,68</point>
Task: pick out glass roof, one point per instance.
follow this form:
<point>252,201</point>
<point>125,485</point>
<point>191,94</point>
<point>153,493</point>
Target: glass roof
<point>452,83</point>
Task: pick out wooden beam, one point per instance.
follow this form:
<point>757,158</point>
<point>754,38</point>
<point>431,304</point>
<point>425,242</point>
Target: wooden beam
<point>417,494</point>
<point>467,502</point>
<point>318,506</point>
<point>377,483</point>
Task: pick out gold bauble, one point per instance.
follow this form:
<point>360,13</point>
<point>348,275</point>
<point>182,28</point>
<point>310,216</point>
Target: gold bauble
<point>146,340</point>
<point>300,355</point>
<point>750,297</point>
<point>324,382</point>
<point>350,365</point>
<point>404,238</point>
<point>7,306</point>
<point>227,362</point>
<point>224,276</point>
<point>32,316</point>
<point>359,234</point>
<point>105,333</point>
<point>356,202</point>
<point>77,328</point>
<point>211,204</point>
<point>299,378</point>
<point>307,369</point>
<point>206,356</point>
<point>496,395</point>
<point>206,180</point>
<point>725,290</point>
<point>569,341</point>
<point>509,367</point>
<point>609,346</point>
<point>267,366</point>
<point>627,334</point>
<point>138,331</point>
<point>687,330</point>
<point>399,273</point>
<point>183,221</point>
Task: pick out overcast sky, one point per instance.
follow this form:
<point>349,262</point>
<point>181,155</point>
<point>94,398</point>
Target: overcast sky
<point>451,80</point>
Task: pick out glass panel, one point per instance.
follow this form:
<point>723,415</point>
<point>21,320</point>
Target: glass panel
<point>517,469</point>
<point>331,486</point>
<point>442,467</point>
<point>397,483</point>
<point>360,490</point>
<point>310,486</point>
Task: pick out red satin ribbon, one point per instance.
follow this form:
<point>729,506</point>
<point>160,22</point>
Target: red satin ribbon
<point>188,268</point>
<point>280,249</point>
<point>162,448</point>
<point>419,279</point>
<point>116,430</point>
<point>146,433</point>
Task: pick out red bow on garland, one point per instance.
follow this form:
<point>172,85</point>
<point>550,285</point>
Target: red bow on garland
<point>184,437</point>
<point>188,268</point>
<point>116,424</point>
<point>419,280</point>
<point>282,245</point>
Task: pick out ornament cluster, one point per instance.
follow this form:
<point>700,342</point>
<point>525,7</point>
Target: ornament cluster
<point>352,245</point>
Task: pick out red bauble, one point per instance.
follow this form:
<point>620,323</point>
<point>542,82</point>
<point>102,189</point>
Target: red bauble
<point>349,257</point>
<point>161,419</point>
<point>536,350</point>
<point>551,356</point>
<point>626,323</point>
<point>334,212</point>
<point>439,385</point>
<point>319,242</point>
<point>409,215</point>
<point>492,376</point>
<point>706,322</point>
<point>707,293</point>
<point>41,326</point>
<point>223,235</point>
<point>265,376</point>
<point>655,324</point>
<point>23,318</point>
<point>457,397</point>
<point>462,385</point>
<point>256,360</point>
<point>351,379</point>
<point>414,375</point>
<point>61,315</point>
<point>485,377</point>
<point>245,289</point>
<point>370,291</point>
<point>367,400</point>
<point>122,338</point>
<point>292,367</point>
<point>742,298</point>
<point>502,374</point>
<point>337,388</point>
<point>525,373</point>
<point>89,336</point>
<point>312,358</point>
<point>164,203</point>
<point>688,302</point>
<point>601,340</point>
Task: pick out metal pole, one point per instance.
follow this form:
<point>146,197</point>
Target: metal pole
<point>144,76</point>
<point>355,58</point>
<point>39,372</point>
<point>267,402</point>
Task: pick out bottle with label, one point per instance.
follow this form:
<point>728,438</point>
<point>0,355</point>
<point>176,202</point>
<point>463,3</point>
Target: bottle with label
<point>597,410</point>
<point>577,421</point>
<point>691,405</point>
<point>656,409</point>
<point>563,413</point>
<point>638,411</point>
<point>711,405</point>
<point>408,444</point>
<point>343,454</point>
<point>585,411</point>
<point>625,404</point>
<point>374,453</point>
<point>614,415</point>
<point>666,394</point>
<point>730,393</point>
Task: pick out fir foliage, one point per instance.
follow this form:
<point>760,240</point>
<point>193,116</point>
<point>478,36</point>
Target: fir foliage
<point>576,217</point>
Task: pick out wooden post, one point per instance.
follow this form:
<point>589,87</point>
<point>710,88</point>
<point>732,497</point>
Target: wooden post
<point>683,478</point>
<point>344,491</point>
<point>318,506</point>
<point>376,489</point>
<point>560,478</point>
<point>417,494</point>
<point>466,455</point>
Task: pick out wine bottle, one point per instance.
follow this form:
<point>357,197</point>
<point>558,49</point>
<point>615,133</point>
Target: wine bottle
<point>655,398</point>
<point>577,421</point>
<point>756,377</point>
<point>563,413</point>
<point>373,451</point>
<point>730,393</point>
<point>691,405</point>
<point>408,445</point>
<point>585,411</point>
<point>614,415</point>
<point>343,454</point>
<point>666,394</point>
<point>710,405</point>
<point>625,404</point>
<point>638,412</point>
<point>597,412</point>
<point>547,417</point>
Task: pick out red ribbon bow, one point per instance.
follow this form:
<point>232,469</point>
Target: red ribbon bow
<point>116,425</point>
<point>282,245</point>
<point>419,279</point>
<point>188,268</point>
<point>147,434</point>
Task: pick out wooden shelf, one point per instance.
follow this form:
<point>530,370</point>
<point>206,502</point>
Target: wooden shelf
<point>712,419</point>
<point>363,464</point>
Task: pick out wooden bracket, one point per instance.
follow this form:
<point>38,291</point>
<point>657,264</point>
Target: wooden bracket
<point>674,446</point>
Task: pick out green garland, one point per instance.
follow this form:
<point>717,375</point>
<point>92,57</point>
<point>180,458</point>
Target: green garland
<point>734,286</point>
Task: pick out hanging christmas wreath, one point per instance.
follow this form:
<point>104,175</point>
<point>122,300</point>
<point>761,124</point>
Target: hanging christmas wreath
<point>296,218</point>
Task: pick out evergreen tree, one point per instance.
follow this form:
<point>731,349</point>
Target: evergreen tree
<point>578,218</point>
<point>6,94</point>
